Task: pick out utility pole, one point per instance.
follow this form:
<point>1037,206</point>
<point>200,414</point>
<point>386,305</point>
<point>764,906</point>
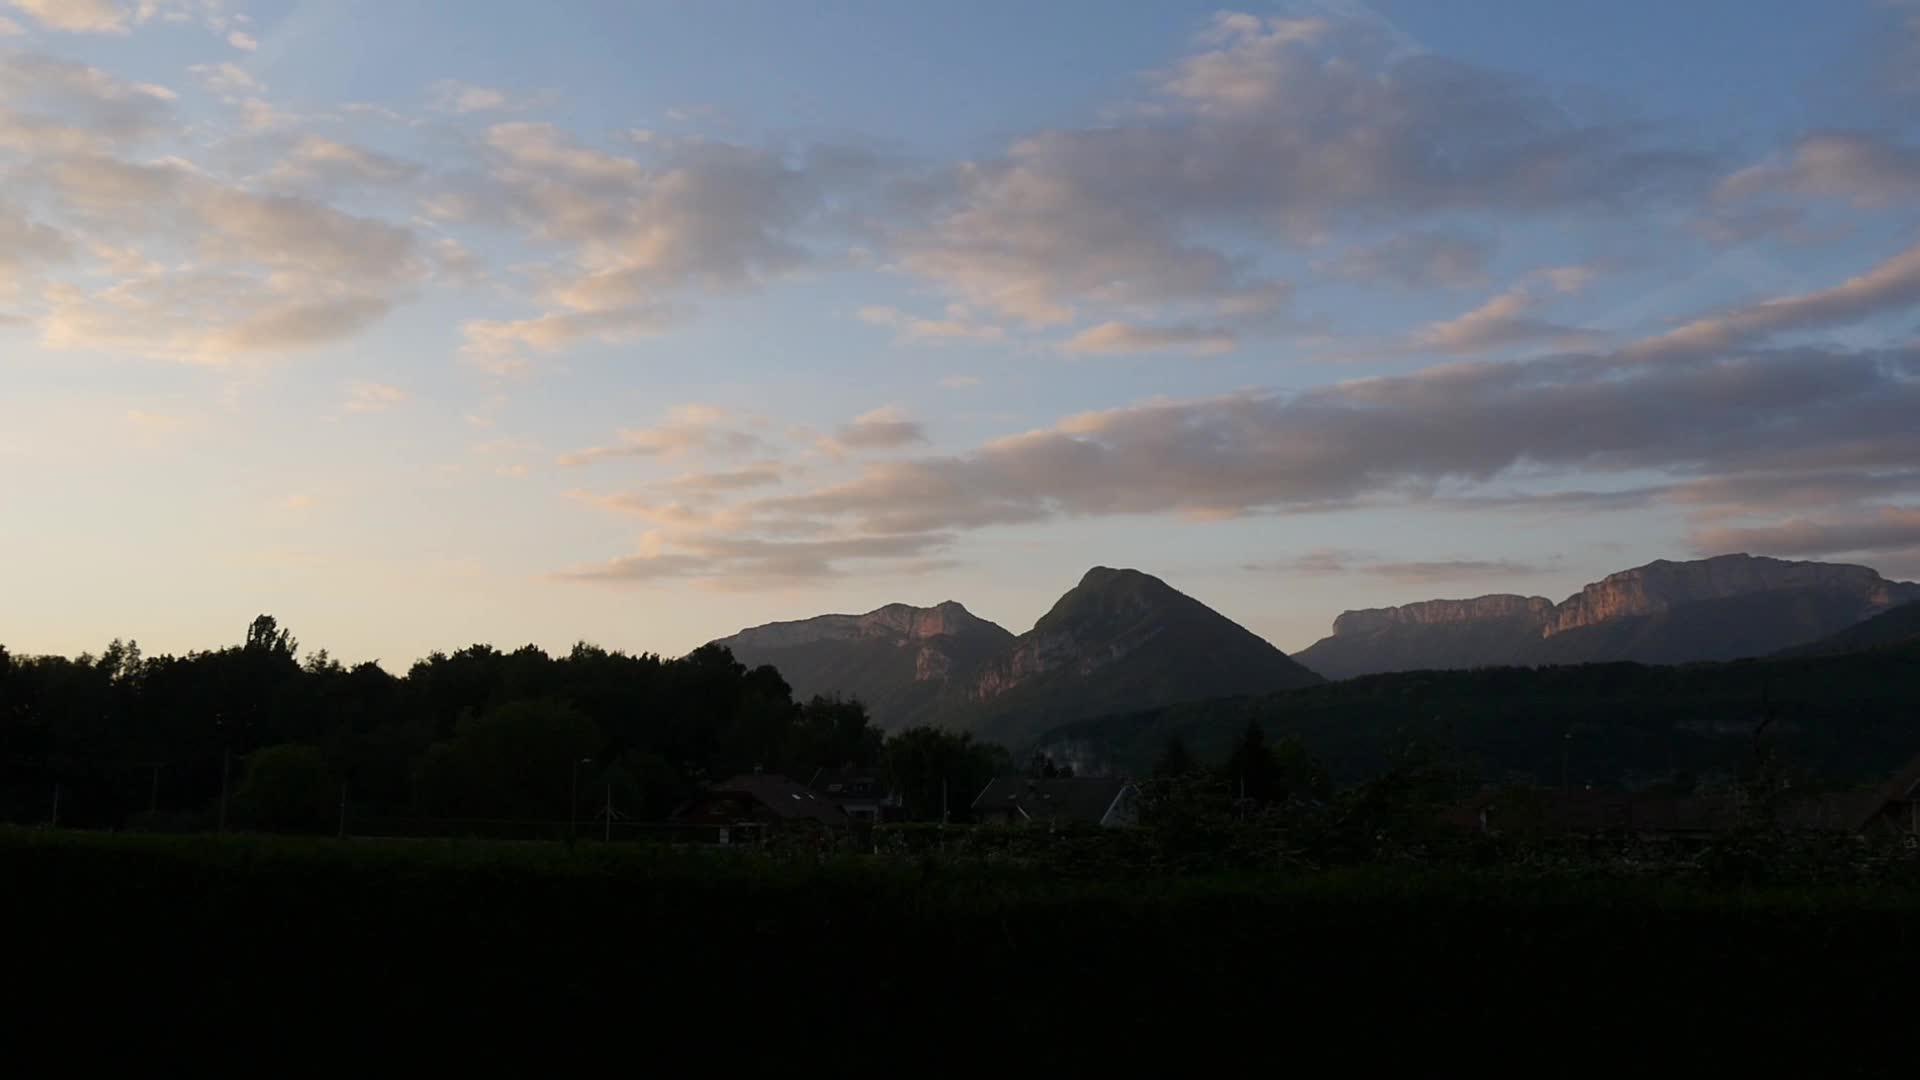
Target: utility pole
<point>226,762</point>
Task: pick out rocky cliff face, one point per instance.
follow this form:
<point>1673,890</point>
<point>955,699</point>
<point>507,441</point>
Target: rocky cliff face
<point>1663,612</point>
<point>1443,613</point>
<point>898,659</point>
<point>1663,585</point>
<point>896,621</point>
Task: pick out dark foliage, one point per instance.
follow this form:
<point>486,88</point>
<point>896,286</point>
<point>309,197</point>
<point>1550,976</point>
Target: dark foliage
<point>126,739</point>
<point>1844,719</point>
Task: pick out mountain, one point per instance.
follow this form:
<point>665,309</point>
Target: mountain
<point>1119,639</point>
<point>1893,629</point>
<point>900,660</point>
<point>1722,608</point>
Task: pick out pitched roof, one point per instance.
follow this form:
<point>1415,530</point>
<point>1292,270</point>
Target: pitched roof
<point>1084,799</point>
<point>782,797</point>
<point>844,784</point>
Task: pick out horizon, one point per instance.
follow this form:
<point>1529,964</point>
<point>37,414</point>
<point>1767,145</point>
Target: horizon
<point>642,324</point>
<point>560,649</point>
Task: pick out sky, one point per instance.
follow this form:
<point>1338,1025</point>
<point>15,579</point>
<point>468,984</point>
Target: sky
<point>422,324</point>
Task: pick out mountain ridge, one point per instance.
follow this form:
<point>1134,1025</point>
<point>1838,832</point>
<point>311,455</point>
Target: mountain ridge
<point>1119,636</point>
<point>1665,611</point>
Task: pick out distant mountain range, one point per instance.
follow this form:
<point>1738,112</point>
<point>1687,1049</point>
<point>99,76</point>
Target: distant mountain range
<point>1122,640</point>
<point>1119,639</point>
<point>1722,608</point>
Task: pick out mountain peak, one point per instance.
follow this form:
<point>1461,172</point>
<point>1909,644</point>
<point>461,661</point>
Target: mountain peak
<point>1101,577</point>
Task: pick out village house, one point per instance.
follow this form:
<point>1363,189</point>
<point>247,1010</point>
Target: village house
<point>862,794</point>
<point>1072,801</point>
<point>758,803</point>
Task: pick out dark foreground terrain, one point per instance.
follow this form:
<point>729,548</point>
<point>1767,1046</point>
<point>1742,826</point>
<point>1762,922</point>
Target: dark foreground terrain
<point>725,956</point>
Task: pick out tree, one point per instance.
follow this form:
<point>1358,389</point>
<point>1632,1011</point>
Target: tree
<point>518,760</point>
<point>264,635</point>
<point>287,788</point>
<point>932,767</point>
<point>1276,773</point>
<point>1174,760</point>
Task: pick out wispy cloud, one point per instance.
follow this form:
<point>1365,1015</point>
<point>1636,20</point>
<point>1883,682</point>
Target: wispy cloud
<point>368,397</point>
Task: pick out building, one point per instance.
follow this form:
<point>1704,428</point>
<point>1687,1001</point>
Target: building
<point>861,794</point>
<point>1074,801</point>
<point>760,801</point>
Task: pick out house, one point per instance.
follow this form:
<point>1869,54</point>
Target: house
<point>861,794</point>
<point>765,800</point>
<point>1075,801</point>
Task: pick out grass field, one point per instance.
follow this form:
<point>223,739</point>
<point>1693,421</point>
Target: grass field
<point>289,937</point>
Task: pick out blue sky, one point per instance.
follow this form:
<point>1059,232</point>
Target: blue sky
<point>421,324</point>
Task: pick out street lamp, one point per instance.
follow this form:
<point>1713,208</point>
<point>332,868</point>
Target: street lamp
<point>573,803</point>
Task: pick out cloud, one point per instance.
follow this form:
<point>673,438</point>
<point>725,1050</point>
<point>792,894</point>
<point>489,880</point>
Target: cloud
<point>1326,561</point>
<point>207,318</point>
<point>753,563</point>
<point>76,16</point>
<point>1110,338</point>
<point>1506,321</point>
<point>882,429</point>
<point>236,271</point>
<point>1453,428</point>
<point>55,106</point>
<point>227,79</point>
<point>1892,286</point>
<point>243,41</point>
<point>460,99</point>
<point>9,28</point>
<point>316,160</point>
<point>1419,259</point>
<point>705,217</point>
<point>1889,529</point>
<point>366,397</point>
<point>707,483</point>
<point>690,429</point>
<point>959,382</point>
<point>1865,170</point>
<point>27,245</point>
<point>913,330</point>
<point>1271,130</point>
<point>154,423</point>
<point>548,333</point>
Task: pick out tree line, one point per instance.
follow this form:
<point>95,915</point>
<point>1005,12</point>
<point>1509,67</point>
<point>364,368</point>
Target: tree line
<point>274,739</point>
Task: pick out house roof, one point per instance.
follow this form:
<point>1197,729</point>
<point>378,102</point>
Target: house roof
<point>844,784</point>
<point>783,797</point>
<point>1085,799</point>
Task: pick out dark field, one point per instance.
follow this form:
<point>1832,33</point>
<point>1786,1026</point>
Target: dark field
<point>729,954</point>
